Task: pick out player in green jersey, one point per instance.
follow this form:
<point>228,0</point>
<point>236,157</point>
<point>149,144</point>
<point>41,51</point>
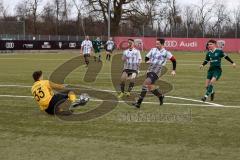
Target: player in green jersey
<point>214,56</point>
<point>97,49</point>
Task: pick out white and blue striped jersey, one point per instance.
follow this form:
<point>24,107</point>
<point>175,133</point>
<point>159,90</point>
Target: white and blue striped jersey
<point>132,59</point>
<point>158,58</point>
<point>86,46</point>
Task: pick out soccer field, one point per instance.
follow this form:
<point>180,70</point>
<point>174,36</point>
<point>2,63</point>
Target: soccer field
<point>183,128</point>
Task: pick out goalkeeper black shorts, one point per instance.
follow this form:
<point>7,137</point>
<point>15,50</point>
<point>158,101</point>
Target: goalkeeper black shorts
<point>56,100</point>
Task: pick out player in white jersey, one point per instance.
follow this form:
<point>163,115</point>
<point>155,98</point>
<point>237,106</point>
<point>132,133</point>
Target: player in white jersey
<point>86,49</point>
<point>109,48</point>
<point>157,57</point>
<point>132,59</point>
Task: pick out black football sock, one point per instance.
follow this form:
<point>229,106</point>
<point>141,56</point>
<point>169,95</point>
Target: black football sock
<point>142,94</point>
<point>122,86</point>
<point>157,92</point>
<point>130,87</point>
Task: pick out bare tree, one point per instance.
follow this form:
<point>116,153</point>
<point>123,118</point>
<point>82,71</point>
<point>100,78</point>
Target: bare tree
<point>80,6</point>
<point>128,17</point>
<point>143,15</point>
<point>57,5</point>
<point>62,9</point>
<point>3,10</point>
<point>162,17</point>
<point>23,9</point>
<point>204,10</point>
<point>221,15</point>
<point>48,19</point>
<point>28,10</point>
<point>119,10</point>
<point>65,11</point>
<point>174,17</point>
<point>34,5</point>
<point>189,18</point>
<point>236,20</point>
<point>145,8</point>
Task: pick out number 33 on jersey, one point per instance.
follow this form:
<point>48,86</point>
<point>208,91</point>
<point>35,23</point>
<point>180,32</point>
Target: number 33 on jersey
<point>42,92</point>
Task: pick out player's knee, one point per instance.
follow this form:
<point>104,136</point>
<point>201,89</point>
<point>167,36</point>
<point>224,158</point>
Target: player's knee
<point>212,81</point>
<point>123,82</point>
<point>147,82</point>
<point>133,77</point>
<point>72,96</point>
<point>145,88</point>
<point>123,79</point>
<point>150,87</point>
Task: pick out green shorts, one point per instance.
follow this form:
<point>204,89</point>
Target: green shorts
<point>97,51</point>
<point>214,73</point>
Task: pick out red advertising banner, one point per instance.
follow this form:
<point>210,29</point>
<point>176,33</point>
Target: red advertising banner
<point>179,44</point>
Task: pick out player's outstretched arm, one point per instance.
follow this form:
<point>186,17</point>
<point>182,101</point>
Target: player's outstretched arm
<point>203,64</point>
<point>234,65</point>
<point>57,86</point>
<point>81,50</point>
<point>207,59</point>
<point>174,63</point>
<point>229,60</point>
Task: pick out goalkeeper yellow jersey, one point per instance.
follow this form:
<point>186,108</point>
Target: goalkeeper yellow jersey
<point>42,91</point>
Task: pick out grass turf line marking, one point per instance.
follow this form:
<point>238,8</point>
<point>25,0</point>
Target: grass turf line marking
<point>15,85</point>
<point>177,104</point>
<point>182,98</point>
<point>97,100</point>
<point>111,91</point>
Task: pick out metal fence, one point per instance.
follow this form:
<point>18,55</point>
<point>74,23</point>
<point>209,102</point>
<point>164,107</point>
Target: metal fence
<point>45,37</point>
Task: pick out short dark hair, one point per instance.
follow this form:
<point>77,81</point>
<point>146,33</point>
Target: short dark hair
<point>207,46</point>
<point>132,40</point>
<point>36,75</point>
<point>212,41</point>
<point>161,40</point>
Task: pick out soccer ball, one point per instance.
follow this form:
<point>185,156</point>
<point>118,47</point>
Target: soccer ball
<point>83,99</point>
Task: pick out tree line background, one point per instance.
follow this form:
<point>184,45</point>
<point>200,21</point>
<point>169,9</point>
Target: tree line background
<point>166,18</point>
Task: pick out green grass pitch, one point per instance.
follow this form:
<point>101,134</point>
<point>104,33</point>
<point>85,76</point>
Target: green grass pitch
<point>182,129</point>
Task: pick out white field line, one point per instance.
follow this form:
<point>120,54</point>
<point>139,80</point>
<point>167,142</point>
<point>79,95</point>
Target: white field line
<point>193,100</point>
<point>97,100</point>
<point>15,85</point>
<point>111,91</point>
<point>173,97</point>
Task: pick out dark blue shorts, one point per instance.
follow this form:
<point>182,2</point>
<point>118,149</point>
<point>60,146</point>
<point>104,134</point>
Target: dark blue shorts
<point>153,76</point>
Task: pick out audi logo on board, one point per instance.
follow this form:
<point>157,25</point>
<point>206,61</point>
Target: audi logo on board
<point>171,43</point>
<point>72,45</point>
<point>9,45</point>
